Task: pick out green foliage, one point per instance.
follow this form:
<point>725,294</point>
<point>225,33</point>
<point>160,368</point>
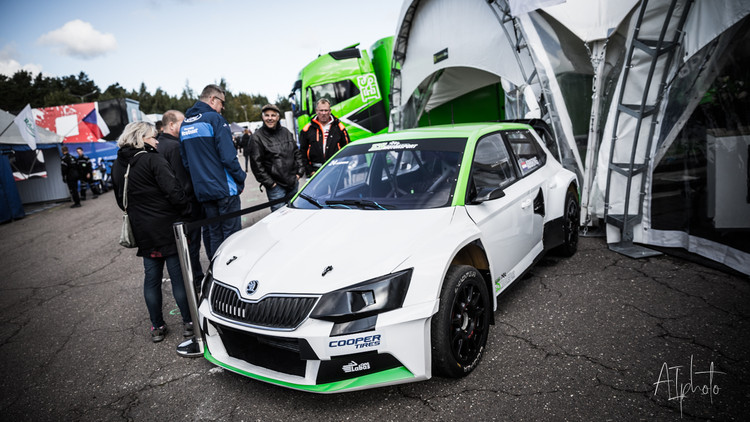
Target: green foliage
<point>41,91</point>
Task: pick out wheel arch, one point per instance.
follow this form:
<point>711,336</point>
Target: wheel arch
<point>474,254</point>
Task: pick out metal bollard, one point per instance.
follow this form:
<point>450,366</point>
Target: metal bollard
<point>193,347</point>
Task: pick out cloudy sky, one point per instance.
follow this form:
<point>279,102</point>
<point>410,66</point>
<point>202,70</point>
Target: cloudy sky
<point>257,46</point>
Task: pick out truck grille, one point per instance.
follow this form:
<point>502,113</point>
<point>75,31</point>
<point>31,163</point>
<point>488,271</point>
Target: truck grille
<point>277,312</point>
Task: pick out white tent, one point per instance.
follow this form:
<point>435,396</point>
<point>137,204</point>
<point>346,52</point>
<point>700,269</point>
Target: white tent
<point>445,49</point>
<point>11,135</point>
<point>648,96</point>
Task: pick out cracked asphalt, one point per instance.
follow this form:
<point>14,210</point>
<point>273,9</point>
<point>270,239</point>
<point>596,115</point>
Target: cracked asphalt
<point>598,336</point>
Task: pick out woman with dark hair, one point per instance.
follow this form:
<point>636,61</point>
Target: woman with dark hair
<point>155,201</point>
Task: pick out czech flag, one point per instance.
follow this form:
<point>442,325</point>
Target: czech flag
<point>96,124</point>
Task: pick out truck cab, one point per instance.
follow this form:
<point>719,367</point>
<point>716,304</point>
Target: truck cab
<point>356,86</point>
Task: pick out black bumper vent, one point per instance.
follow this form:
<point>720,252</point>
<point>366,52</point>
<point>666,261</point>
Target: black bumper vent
<point>279,312</point>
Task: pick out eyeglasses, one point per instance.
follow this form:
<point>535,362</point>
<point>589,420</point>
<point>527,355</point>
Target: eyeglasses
<point>222,101</point>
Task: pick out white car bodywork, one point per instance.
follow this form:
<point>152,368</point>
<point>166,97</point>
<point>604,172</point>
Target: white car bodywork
<point>311,252</point>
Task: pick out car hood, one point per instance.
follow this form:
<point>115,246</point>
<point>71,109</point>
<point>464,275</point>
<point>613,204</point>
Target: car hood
<point>316,251</point>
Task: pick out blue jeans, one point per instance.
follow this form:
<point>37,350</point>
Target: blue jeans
<point>218,232</point>
<point>278,192</point>
<point>154,269</point>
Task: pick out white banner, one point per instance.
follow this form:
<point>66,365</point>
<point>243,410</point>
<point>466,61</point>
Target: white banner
<point>27,127</point>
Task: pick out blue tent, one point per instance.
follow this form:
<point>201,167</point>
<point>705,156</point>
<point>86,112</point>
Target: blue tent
<point>10,202</point>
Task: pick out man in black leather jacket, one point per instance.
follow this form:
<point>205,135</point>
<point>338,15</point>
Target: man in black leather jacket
<point>275,159</point>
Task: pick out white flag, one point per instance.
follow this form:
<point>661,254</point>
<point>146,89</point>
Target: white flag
<point>100,122</point>
<point>27,127</point>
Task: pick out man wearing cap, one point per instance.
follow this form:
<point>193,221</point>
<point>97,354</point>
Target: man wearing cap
<point>274,157</point>
<point>210,158</point>
<point>320,139</point>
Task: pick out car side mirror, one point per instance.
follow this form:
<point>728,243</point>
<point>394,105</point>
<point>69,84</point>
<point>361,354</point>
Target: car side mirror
<point>488,194</point>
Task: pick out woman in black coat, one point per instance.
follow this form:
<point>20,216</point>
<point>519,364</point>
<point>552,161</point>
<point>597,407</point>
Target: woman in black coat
<point>156,200</point>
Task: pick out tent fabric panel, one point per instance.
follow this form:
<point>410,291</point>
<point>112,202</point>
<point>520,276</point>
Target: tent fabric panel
<point>732,258</point>
<point>12,136</point>
<point>46,189</point>
<point>707,21</point>
<point>564,126</point>
<point>451,25</point>
<point>591,21</point>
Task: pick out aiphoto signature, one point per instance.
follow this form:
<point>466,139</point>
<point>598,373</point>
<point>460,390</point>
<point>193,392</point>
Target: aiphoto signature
<point>704,383</point>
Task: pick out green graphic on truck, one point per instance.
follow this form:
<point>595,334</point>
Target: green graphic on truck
<point>356,86</point>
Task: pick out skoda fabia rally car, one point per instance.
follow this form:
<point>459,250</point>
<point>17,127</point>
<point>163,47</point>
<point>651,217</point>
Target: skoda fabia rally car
<point>386,266</point>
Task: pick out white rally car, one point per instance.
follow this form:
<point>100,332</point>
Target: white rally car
<point>386,266</point>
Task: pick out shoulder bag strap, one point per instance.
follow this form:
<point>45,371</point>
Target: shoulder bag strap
<point>125,185</point>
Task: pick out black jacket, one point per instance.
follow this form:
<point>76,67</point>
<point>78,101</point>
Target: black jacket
<point>169,148</point>
<point>275,158</point>
<point>311,142</point>
<point>155,199</point>
<point>84,167</point>
<point>69,167</point>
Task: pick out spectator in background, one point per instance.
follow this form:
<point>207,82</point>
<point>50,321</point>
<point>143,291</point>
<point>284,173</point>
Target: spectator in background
<point>70,176</point>
<point>275,159</point>
<point>160,126</point>
<point>245,143</point>
<point>210,158</point>
<point>169,148</point>
<point>85,174</point>
<point>156,200</point>
<point>320,139</point>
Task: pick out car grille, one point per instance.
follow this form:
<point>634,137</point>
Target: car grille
<point>274,353</point>
<point>278,312</point>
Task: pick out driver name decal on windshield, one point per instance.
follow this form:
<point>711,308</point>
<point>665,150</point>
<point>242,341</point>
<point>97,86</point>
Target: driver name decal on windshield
<point>390,146</point>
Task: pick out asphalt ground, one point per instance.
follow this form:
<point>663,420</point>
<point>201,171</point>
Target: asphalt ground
<point>598,336</point>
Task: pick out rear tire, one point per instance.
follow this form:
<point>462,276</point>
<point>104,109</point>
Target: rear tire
<point>461,324</point>
<point>571,215</point>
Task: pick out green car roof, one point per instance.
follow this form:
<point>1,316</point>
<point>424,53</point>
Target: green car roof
<point>465,130</point>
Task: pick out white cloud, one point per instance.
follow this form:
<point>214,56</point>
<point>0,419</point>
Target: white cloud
<point>9,65</point>
<point>79,39</point>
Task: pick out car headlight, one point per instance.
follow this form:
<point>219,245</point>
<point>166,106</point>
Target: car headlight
<point>364,299</point>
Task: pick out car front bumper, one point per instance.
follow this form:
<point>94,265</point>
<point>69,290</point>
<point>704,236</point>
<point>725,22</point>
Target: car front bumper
<point>309,358</point>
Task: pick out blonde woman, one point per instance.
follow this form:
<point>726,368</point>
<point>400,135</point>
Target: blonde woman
<point>155,201</point>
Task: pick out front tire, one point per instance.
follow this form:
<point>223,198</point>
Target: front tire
<point>461,324</point>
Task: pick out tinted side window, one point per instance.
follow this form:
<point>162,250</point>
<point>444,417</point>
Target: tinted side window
<point>492,167</point>
<point>528,153</point>
<point>335,92</point>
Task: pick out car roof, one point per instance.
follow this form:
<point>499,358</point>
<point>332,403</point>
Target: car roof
<point>465,130</point>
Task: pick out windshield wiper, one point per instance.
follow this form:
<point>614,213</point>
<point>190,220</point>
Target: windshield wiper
<point>310,200</point>
<point>364,203</point>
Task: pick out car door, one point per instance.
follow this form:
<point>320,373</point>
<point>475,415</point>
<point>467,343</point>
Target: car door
<point>511,230</point>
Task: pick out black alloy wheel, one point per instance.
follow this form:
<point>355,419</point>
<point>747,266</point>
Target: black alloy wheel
<point>461,325</point>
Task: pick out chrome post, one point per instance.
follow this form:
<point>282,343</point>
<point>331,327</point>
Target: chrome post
<point>192,347</point>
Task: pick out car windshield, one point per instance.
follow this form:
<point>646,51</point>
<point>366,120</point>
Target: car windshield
<point>406,174</point>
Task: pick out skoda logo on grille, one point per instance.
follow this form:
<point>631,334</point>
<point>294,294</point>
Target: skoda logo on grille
<point>252,286</point>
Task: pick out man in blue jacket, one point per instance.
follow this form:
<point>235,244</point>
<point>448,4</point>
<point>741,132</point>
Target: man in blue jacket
<point>210,158</point>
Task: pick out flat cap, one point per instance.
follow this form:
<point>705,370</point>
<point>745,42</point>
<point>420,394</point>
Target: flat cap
<point>270,107</point>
